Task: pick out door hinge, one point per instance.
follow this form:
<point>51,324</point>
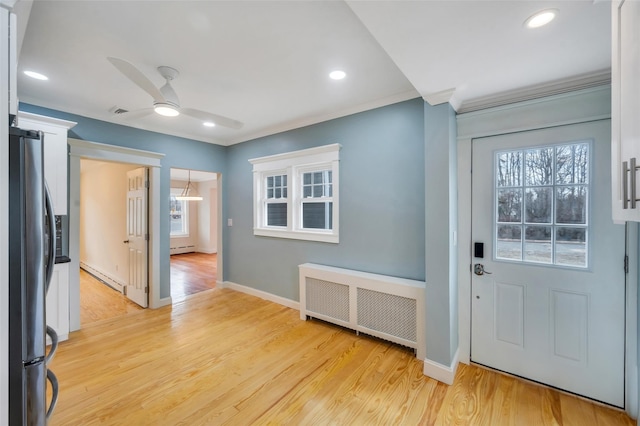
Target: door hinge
<point>146,184</point>
<point>124,290</point>
<point>146,290</point>
<point>146,237</point>
<point>626,264</point>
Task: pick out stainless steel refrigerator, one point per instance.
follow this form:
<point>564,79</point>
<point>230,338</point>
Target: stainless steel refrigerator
<point>31,259</point>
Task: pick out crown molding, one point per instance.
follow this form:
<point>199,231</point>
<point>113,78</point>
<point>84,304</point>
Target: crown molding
<point>441,97</point>
<point>584,81</point>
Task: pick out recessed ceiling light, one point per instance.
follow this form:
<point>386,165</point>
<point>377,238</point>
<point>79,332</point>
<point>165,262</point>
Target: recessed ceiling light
<point>208,124</point>
<point>541,18</point>
<point>36,75</point>
<point>337,75</point>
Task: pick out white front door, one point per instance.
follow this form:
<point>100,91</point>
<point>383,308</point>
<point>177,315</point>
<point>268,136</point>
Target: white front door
<point>550,305</point>
<point>137,288</point>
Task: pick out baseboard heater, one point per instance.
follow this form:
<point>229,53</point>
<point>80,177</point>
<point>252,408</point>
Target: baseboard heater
<point>387,307</point>
<point>182,249</point>
<point>107,279</point>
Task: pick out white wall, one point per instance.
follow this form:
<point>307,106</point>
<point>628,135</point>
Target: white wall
<point>103,215</point>
<point>208,217</point>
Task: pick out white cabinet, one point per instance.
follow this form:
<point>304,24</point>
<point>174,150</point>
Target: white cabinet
<point>58,301</point>
<point>55,154</point>
<point>625,110</point>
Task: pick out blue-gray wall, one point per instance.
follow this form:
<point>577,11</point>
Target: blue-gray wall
<point>381,201</point>
<point>383,185</point>
<point>179,152</point>
<point>441,222</point>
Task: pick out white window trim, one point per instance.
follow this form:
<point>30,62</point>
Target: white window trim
<point>292,164</point>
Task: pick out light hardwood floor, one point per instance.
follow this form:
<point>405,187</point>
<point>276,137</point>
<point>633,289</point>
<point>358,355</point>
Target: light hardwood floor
<point>98,301</point>
<point>224,357</point>
<point>190,274</point>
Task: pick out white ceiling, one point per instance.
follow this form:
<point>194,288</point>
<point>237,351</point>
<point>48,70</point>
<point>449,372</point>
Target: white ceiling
<point>265,63</point>
<point>194,175</point>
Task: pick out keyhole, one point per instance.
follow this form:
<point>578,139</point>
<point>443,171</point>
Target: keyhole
<point>477,297</point>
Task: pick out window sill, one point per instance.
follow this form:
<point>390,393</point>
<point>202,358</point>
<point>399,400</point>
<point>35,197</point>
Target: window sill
<point>297,235</point>
<point>179,236</point>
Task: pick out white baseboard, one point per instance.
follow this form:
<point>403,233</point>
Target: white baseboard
<point>261,294</point>
<point>103,276</point>
<point>442,373</point>
<point>207,250</point>
<point>161,302</point>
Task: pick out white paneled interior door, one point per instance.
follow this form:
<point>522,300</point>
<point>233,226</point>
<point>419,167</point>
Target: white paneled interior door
<point>137,236</point>
<point>550,304</point>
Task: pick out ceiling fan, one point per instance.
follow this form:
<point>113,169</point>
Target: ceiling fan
<point>165,99</point>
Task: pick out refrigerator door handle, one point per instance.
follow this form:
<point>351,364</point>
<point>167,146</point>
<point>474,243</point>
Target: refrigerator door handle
<point>54,392</point>
<point>54,344</point>
<point>52,238</point>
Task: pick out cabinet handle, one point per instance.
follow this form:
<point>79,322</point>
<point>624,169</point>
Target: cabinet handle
<point>625,185</point>
<point>632,170</point>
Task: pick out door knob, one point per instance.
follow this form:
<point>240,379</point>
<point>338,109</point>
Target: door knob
<point>478,269</point>
<point>126,241</point>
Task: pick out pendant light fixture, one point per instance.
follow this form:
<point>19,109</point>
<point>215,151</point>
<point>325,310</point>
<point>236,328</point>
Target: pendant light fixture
<point>189,193</point>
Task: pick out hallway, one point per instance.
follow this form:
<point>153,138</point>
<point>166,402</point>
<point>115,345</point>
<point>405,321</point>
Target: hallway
<point>191,273</point>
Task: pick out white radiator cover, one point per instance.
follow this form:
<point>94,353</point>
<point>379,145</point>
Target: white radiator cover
<point>387,307</point>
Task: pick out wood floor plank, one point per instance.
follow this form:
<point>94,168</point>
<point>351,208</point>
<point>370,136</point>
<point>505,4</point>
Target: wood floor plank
<point>191,273</point>
<point>100,301</point>
<point>224,357</point>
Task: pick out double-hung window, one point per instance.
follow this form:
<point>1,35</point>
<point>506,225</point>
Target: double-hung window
<point>317,199</point>
<point>178,209</point>
<point>275,202</point>
<point>296,194</point>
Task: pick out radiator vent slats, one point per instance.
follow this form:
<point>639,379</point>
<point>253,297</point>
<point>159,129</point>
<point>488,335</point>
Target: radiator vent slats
<point>387,307</point>
<point>388,313</point>
<point>327,298</point>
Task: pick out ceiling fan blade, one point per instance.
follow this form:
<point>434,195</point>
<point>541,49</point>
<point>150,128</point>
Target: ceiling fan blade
<point>138,113</point>
<point>140,80</point>
<point>217,119</point>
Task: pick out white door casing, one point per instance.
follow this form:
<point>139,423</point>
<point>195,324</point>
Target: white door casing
<point>137,240</point>
<point>559,325</point>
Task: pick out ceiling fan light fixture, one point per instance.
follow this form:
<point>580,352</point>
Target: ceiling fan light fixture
<point>540,19</point>
<point>166,109</point>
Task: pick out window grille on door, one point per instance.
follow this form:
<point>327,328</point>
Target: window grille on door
<point>542,204</point>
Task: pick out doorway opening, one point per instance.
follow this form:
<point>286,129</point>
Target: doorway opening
<point>80,150</point>
<point>112,239</point>
<point>194,233</point>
